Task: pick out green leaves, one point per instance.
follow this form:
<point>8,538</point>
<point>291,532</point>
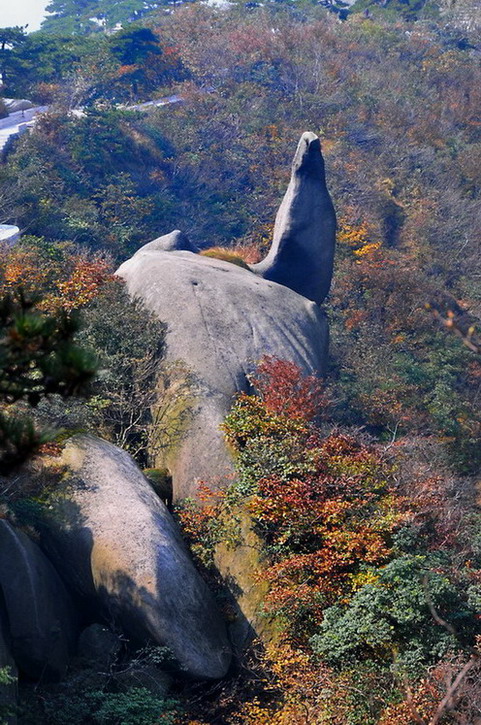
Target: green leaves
<point>37,358</point>
<point>390,619</point>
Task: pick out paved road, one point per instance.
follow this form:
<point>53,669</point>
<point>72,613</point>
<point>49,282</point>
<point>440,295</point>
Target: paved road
<point>17,123</point>
<point>166,101</point>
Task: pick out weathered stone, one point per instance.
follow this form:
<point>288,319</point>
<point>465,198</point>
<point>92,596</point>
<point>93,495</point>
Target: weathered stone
<point>241,567</point>
<point>41,619</point>
<point>117,545</point>
<point>98,645</point>
<point>302,252</point>
<point>176,241</point>
<point>221,319</point>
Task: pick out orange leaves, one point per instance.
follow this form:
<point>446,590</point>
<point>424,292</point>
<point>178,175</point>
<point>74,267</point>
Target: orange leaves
<point>354,319</point>
<point>62,280</point>
<point>125,70</point>
<point>320,528</point>
<point>22,268</point>
<point>354,236</point>
<point>286,391</point>
<point>84,283</point>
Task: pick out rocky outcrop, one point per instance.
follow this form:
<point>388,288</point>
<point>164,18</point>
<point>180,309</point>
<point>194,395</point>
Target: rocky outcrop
<point>221,319</point>
<point>176,241</point>
<point>117,546</point>
<point>40,615</point>
<point>302,252</point>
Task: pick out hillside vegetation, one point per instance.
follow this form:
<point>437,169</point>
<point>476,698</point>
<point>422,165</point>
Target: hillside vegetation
<point>362,493</point>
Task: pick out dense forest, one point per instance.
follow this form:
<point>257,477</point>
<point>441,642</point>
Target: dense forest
<point>361,491</point>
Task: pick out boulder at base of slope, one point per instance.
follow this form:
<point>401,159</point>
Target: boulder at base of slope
<point>116,544</point>
<point>41,618</point>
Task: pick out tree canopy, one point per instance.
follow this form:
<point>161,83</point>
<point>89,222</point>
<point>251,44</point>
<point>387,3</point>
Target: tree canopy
<point>89,16</point>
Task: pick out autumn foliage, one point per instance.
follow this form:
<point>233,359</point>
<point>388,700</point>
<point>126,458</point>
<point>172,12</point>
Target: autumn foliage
<point>65,279</point>
<point>355,553</point>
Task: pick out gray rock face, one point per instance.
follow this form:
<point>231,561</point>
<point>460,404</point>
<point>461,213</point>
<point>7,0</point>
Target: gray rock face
<point>176,241</point>
<point>221,319</point>
<point>41,620</point>
<point>302,252</point>
<point>116,544</point>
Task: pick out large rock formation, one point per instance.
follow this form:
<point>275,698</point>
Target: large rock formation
<point>115,543</point>
<point>302,252</point>
<point>41,620</point>
<point>221,319</point>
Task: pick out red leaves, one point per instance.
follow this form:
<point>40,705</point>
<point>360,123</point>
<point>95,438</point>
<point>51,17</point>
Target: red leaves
<point>67,281</point>
<point>321,529</point>
<point>83,285</point>
<point>285,390</point>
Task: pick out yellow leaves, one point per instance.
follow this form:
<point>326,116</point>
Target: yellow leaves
<point>367,249</point>
<point>357,238</point>
<point>354,236</point>
<point>362,578</point>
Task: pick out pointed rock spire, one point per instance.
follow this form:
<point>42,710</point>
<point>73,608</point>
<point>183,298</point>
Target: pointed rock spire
<point>302,251</point>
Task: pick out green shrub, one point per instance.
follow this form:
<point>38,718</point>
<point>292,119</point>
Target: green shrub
<point>136,706</point>
<point>390,619</point>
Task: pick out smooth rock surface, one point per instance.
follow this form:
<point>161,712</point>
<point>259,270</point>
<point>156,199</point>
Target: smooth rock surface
<point>117,545</point>
<point>302,252</point>
<point>41,619</point>
<point>221,319</point>
<point>175,241</point>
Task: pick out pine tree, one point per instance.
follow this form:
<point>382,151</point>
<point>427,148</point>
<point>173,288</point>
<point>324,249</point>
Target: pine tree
<point>38,357</point>
<point>85,16</point>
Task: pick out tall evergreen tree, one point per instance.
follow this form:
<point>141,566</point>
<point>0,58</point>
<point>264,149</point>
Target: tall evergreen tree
<point>87,16</point>
<point>70,17</point>
<point>10,38</point>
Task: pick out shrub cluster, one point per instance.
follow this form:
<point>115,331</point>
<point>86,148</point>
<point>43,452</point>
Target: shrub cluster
<point>366,590</point>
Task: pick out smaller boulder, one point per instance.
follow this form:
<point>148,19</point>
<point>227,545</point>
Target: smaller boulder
<point>41,618</point>
<point>117,545</point>
<point>175,241</point>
